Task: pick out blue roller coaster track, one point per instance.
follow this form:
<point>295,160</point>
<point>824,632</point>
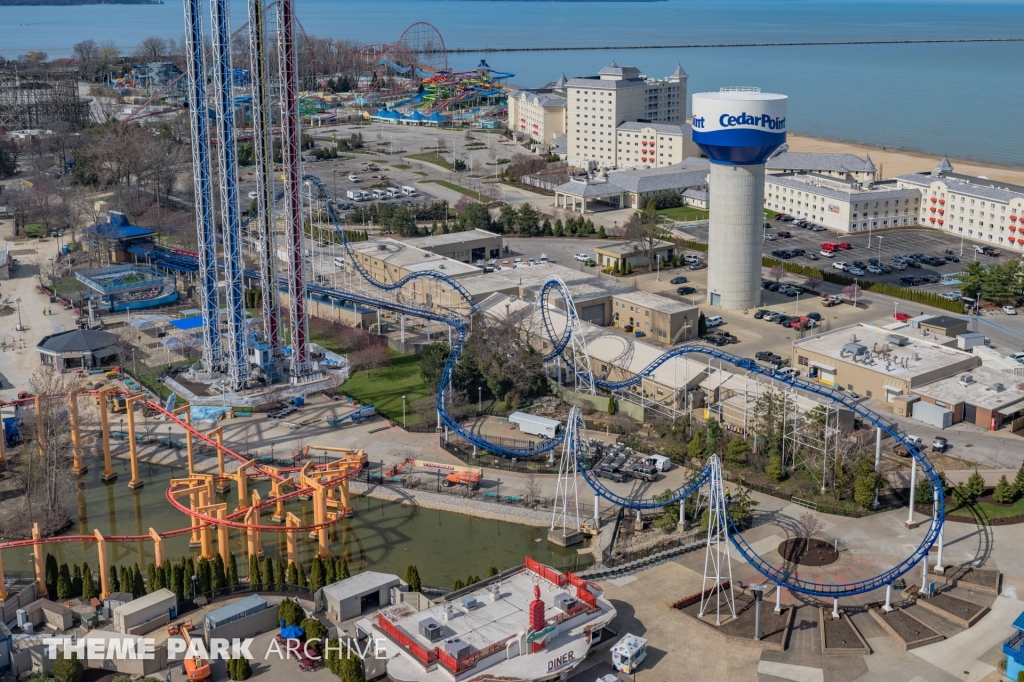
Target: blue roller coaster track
<point>559,343</point>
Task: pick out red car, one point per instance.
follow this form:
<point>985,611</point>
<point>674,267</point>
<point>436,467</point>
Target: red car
<point>902,317</point>
<point>829,246</point>
<point>845,245</point>
<point>784,234</point>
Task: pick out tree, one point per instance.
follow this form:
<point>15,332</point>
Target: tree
<point>9,153</point>
<point>50,573</point>
<point>138,584</point>
<point>218,576</point>
<point>611,406</point>
<point>152,49</point>
<point>1003,493</point>
<point>293,574</point>
<point>492,571</point>
<point>702,325</point>
<point>330,577</point>
<point>741,507</point>
<point>695,448</point>
<point>85,52</point>
<point>777,272</point>
<point>642,231</point>
<point>255,579</point>
<point>269,578</point>
<point>64,582</point>
<point>352,668</point>
<point>177,581</point>
<point>315,630</point>
<point>477,217</point>
<point>412,578</point>
<point>812,283</point>
<point>975,485</point>
<point>1018,482</point>
<point>507,218</point>
<point>714,437</point>
<point>865,486</point>
<point>88,586</point>
<point>526,220</point>
<point>67,669</point>
<point>852,292</point>
<point>458,585</point>
<point>341,569</point>
<point>774,468</point>
<point>809,526</point>
<point>151,579</point>
<point>432,362</point>
<point>738,450</point>
<point>371,357</point>
<point>290,612</point>
<point>302,576</point>
<point>232,571</point>
<point>316,574</point>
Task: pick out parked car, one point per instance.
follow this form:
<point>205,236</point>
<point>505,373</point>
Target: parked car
<point>950,257</point>
<point>902,317</point>
<point>826,254</point>
<point>875,270</point>
<point>697,265</point>
<point>761,312</point>
<point>581,256</point>
<point>785,235</point>
<point>610,472</point>
<point>1009,310</point>
<point>716,339</point>
<point>769,237</point>
<point>810,256</point>
<point>787,373</point>
<point>911,263</point>
<point>678,280</point>
<point>930,279</point>
<point>768,356</point>
<point>840,265</point>
<point>690,259</point>
<point>856,272</point>
<point>686,291</point>
<point>713,321</point>
<point>814,316</point>
<point>782,319</point>
<point>952,295</point>
<point>939,444</point>
<point>829,246</point>
<point>859,264</point>
<point>765,284</point>
<point>909,281</point>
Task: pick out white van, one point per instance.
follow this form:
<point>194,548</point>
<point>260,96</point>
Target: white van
<point>408,191</point>
<point>379,194</point>
<point>713,321</point>
<point>662,462</point>
<point>394,192</point>
<point>339,261</point>
<point>354,194</point>
<point>365,195</point>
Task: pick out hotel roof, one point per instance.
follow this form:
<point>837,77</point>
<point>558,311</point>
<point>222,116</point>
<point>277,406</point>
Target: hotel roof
<point>969,185</point>
<point>842,190</point>
<point>666,128</point>
<point>812,161</point>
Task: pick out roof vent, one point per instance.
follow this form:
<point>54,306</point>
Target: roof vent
<point>997,387</point>
<point>853,338</point>
<point>917,356</point>
<point>468,602</point>
<point>897,340</point>
<point>966,379</point>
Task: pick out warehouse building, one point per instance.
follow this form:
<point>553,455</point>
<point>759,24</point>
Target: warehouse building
<point>146,613</point>
<point>877,363</point>
<point>633,253</point>
<point>349,598</point>
<point>466,247</point>
<point>981,396</point>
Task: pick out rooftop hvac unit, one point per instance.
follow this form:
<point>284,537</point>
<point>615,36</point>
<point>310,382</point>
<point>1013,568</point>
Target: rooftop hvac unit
<point>456,648</point>
<point>966,379</point>
<point>917,356</point>
<point>897,340</point>
<point>22,618</point>
<point>564,603</point>
<point>430,630</point>
<point>447,612</point>
<point>469,602</point>
<point>494,591</point>
<point>997,387</point>
<point>853,338</point>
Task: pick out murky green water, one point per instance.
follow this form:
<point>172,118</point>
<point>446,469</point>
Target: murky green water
<point>382,536</point>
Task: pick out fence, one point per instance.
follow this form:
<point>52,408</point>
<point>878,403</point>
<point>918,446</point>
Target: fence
<point>463,449</point>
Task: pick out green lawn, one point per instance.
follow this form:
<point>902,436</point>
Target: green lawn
<point>684,213</point>
<point>421,174</point>
<point>385,386</point>
<point>461,190</point>
<point>769,214</point>
<point>987,510</point>
<point>431,157</point>
<point>401,166</point>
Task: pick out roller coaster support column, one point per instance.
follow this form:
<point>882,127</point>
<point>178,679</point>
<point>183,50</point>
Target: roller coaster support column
<point>3,453</point>
<point>913,490</point>
<point>76,437</point>
<point>37,560</point>
<point>158,547</point>
<point>133,452</point>
<point>276,491</point>
<point>220,511</point>
<point>878,459</point>
<point>939,568</point>
<point>597,511</point>
<point>320,516</point>
<point>924,575</point>
<point>108,470</point>
<point>778,599</point>
<point>222,484</point>
<point>205,542</point>
<point>103,567</point>
<point>193,502</point>
<point>250,532</point>
<point>188,436</point>
<point>682,514</point>
<point>3,590</point>
<point>835,608</point>
<point>888,598</point>
<point>401,326</point>
<point>223,540</point>
<point>241,480</point>
<point>292,521</point>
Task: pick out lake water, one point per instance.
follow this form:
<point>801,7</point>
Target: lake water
<point>381,536</point>
<point>959,99</point>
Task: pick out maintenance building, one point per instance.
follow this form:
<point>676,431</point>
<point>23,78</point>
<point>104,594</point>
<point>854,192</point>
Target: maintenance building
<point>466,247</point>
<point>350,597</point>
<point>981,396</point>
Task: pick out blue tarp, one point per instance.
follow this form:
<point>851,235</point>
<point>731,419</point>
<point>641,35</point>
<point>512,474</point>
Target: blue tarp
<point>202,413</point>
<point>187,323</point>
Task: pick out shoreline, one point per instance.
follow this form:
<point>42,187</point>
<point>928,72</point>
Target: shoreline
<point>894,162</point>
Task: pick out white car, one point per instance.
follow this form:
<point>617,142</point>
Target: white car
<point>353,178</point>
<point>1009,310</point>
<point>857,272</point>
<point>690,259</point>
<point>840,265</point>
<point>826,254</point>
<point>769,237</point>
<point>253,195</point>
<point>787,372</point>
<point>952,295</point>
<point>875,270</point>
<point>582,257</point>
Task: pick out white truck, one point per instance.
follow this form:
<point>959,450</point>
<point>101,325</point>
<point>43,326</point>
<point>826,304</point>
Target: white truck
<point>408,191</point>
<point>354,194</point>
<point>380,194</point>
<point>534,425</point>
<point>394,192</point>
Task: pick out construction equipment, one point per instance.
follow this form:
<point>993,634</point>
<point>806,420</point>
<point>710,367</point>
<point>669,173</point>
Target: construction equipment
<point>466,478</point>
<point>196,668</point>
<point>114,373</point>
<point>180,626</point>
<point>454,474</point>
<point>354,417</point>
<point>117,403</point>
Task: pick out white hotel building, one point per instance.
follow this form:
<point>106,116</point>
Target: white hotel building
<point>653,145</point>
<point>596,106</point>
<point>538,115</point>
<point>975,208</point>
<point>842,205</point>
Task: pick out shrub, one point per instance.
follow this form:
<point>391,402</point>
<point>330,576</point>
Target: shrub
<point>290,612</point>
<point>412,578</point>
<point>67,669</point>
<point>774,468</point>
<point>864,487</point>
<point>611,405</point>
<point>738,450</point>
<point>1004,492</point>
<point>695,448</point>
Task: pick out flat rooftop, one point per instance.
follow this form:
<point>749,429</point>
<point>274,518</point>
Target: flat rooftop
<point>435,240</point>
<point>487,622</point>
<point>988,389</point>
<point>662,304</point>
<point>412,259</point>
<point>584,286</point>
<point>921,355</point>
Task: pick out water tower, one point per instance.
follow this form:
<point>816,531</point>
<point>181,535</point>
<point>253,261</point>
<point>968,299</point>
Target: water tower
<point>738,129</point>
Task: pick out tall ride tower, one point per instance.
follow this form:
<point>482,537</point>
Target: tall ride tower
<point>738,129</point>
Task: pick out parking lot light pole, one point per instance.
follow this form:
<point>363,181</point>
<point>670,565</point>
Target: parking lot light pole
<point>879,250</point>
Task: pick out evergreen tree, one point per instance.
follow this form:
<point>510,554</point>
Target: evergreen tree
<point>177,584</point>
<point>243,669</point>
<point>865,484</point>
<point>774,467</point>
<point>88,586</point>
<point>738,450</point>
<point>492,571</point>
<point>330,577</point>
<point>714,437</point>
<point>629,268</point>
<point>1003,494</point>
<point>162,578</point>
<point>1018,482</point>
<point>187,588</point>
<point>302,576</point>
<point>601,234</point>
<point>138,584</point>
<point>352,668</point>
<point>975,486</point>
<point>558,230</point>
<point>702,325</point>
<point>114,582</point>
<point>412,578</point>
<point>50,576</point>
<point>67,669</point>
<point>63,582</point>
<point>695,448</point>
<point>203,576</point>
<point>341,570</point>
<point>151,578</point>
<point>293,574</point>
<point>611,405</point>
<point>127,580</point>
<point>281,573</point>
<point>217,578</point>
<point>255,579</point>
<point>458,585</point>
<point>269,578</point>
<point>166,578</point>
<point>76,581</point>
<point>316,574</point>
<point>232,571</point>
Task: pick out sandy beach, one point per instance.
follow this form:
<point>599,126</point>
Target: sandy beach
<point>897,162</point>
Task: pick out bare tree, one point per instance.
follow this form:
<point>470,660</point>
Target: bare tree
<point>531,485</point>
<point>812,283</point>
<point>109,52</point>
<point>643,232</point>
<point>370,357</point>
<point>86,52</point>
<point>809,526</point>
<point>151,49</point>
<point>852,292</point>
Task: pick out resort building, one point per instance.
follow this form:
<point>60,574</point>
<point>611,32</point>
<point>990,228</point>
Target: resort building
<point>634,188</point>
<point>653,145</point>
<point>538,115</point>
<point>976,208</point>
<point>597,105</point>
<point>843,166</point>
<point>840,204</point>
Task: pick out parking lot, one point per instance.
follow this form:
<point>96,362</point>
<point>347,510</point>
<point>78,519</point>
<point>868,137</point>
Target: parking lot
<point>883,245</point>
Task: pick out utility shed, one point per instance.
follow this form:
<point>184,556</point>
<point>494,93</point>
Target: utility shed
<point>350,597</point>
<point>232,612</point>
<point>115,599</point>
<point>933,415</point>
<point>162,603</point>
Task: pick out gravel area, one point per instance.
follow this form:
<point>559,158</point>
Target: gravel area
<point>839,634</point>
<point>961,608</point>
<point>907,627</point>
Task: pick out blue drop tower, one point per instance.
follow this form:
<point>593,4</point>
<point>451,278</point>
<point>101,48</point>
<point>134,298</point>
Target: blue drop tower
<point>738,129</point>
